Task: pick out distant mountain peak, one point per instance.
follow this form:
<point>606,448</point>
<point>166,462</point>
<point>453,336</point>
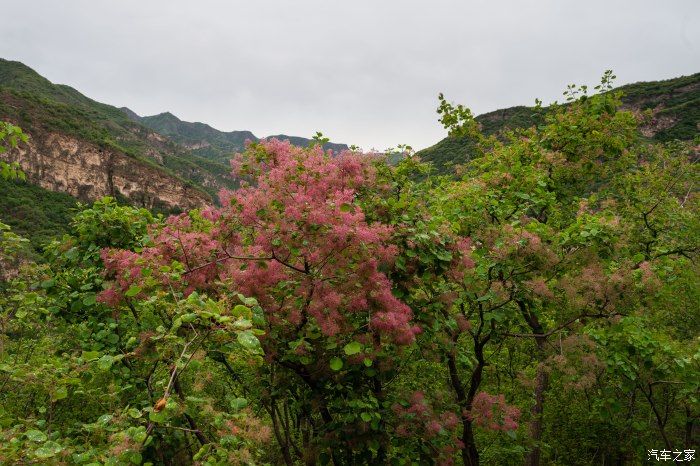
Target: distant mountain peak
<point>166,114</point>
<point>132,115</point>
<point>206,141</point>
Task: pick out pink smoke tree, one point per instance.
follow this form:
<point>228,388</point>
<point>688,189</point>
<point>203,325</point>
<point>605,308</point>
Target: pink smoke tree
<point>294,238</point>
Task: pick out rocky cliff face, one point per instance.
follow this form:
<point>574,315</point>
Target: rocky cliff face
<point>62,163</point>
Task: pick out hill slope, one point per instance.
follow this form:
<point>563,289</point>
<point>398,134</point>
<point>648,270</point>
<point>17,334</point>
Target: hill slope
<point>208,142</point>
<point>674,103</point>
<point>65,126</point>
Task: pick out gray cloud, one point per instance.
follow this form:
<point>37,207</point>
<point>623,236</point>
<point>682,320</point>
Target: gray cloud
<point>364,72</point>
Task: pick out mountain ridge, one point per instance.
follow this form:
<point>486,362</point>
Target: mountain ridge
<point>206,141</point>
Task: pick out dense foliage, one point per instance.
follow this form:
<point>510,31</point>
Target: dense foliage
<point>35,213</point>
<point>340,309</point>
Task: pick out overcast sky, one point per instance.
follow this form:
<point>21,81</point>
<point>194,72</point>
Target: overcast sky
<point>363,71</point>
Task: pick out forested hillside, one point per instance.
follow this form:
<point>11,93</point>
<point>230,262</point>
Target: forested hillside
<point>671,111</point>
<point>208,142</point>
<point>539,306</point>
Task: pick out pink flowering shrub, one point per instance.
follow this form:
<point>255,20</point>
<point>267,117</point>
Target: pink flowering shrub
<point>293,239</point>
<point>417,419</point>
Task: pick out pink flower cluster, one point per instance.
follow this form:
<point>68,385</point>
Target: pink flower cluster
<point>492,412</point>
<point>419,420</point>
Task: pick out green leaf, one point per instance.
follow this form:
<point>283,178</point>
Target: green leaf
<point>248,340</point>
<point>189,317</point>
<point>90,299</point>
<point>238,403</point>
<point>444,256</point>
<point>366,417</point>
<point>71,254</point>
<point>48,450</point>
<point>158,417</point>
<point>353,347</point>
<point>132,291</point>
<point>105,362</point>
<point>89,355</point>
<point>135,457</point>
<point>48,283</point>
<point>60,393</point>
<point>240,309</point>
<point>202,451</point>
<point>36,435</point>
<point>242,324</point>
<point>336,364</point>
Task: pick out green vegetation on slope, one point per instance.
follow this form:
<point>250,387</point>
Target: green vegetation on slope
<point>35,213</point>
<point>676,100</point>
<point>201,138</point>
<point>208,142</point>
<point>38,106</point>
<point>674,104</point>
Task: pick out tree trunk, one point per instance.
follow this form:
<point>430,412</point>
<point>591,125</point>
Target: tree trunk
<point>541,383</point>
<point>470,454</point>
<point>688,428</point>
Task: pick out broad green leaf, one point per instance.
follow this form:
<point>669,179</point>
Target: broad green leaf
<point>60,393</point>
<point>158,416</point>
<point>90,299</point>
<point>89,355</point>
<point>336,364</point>
<point>48,450</point>
<point>240,310</point>
<point>36,436</point>
<point>105,362</point>
<point>135,457</point>
<point>352,348</point>
<point>189,317</point>
<point>248,340</point>
<point>133,291</point>
<point>238,403</point>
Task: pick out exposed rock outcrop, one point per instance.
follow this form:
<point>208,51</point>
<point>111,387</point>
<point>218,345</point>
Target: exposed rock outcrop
<point>62,163</point>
